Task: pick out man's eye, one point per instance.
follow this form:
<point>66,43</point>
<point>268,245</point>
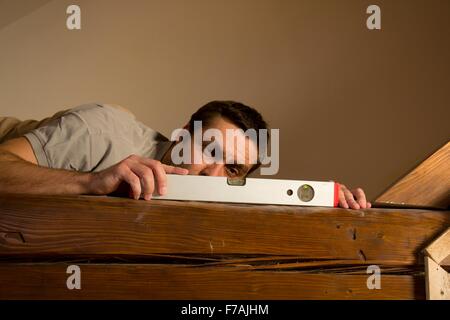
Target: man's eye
<point>233,171</point>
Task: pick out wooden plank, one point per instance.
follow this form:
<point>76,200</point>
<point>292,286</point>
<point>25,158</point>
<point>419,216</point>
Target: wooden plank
<point>141,281</point>
<point>427,185</point>
<point>52,226</point>
<point>439,250</point>
<point>437,281</point>
<point>437,278</point>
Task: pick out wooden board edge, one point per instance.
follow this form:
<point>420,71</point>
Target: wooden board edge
<point>437,281</point>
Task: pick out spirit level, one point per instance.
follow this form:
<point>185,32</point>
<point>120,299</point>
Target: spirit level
<point>251,190</point>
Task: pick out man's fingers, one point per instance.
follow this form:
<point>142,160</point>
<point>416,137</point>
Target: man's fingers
<point>360,197</point>
<point>133,180</point>
<point>160,177</point>
<point>350,199</point>
<point>143,173</point>
<point>342,200</point>
<point>159,172</point>
<point>175,170</point>
<point>146,179</point>
<point>154,163</point>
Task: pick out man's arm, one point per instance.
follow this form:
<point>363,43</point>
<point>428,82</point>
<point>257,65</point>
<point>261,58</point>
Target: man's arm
<point>19,173</point>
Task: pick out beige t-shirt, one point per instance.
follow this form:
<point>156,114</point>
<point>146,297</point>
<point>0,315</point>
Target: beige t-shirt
<point>93,137</point>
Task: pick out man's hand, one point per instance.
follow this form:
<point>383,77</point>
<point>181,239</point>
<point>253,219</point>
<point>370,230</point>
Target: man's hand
<point>355,199</point>
<point>143,175</point>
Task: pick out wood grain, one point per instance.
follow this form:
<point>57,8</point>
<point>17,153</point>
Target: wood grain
<point>125,281</point>
<point>131,249</point>
<point>437,281</point>
<point>427,185</point>
<point>42,226</point>
<point>439,250</point>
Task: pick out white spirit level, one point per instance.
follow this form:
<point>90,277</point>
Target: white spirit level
<point>251,190</point>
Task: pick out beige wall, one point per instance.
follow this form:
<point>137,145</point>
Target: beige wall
<point>354,105</point>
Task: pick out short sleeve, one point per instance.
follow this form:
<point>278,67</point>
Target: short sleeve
<point>63,143</point>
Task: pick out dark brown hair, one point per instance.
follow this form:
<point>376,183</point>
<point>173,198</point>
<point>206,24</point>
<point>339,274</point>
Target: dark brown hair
<point>243,116</point>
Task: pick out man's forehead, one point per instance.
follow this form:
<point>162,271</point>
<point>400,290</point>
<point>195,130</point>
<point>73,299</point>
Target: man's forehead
<point>235,142</point>
<point>240,145</point>
<point>221,123</point>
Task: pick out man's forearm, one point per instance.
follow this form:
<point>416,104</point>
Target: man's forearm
<point>20,176</point>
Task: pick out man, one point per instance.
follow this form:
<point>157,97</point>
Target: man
<point>102,149</point>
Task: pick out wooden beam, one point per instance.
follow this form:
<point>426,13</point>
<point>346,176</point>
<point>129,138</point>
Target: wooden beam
<point>43,226</point>
<point>437,281</point>
<point>437,278</point>
<point>137,281</point>
<point>439,250</point>
<point>129,249</point>
<point>427,185</point>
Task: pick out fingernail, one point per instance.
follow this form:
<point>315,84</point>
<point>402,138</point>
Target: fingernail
<point>163,190</point>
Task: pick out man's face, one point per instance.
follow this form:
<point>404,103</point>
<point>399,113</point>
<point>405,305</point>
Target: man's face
<point>228,148</point>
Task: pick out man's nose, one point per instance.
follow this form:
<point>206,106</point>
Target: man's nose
<point>214,170</point>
